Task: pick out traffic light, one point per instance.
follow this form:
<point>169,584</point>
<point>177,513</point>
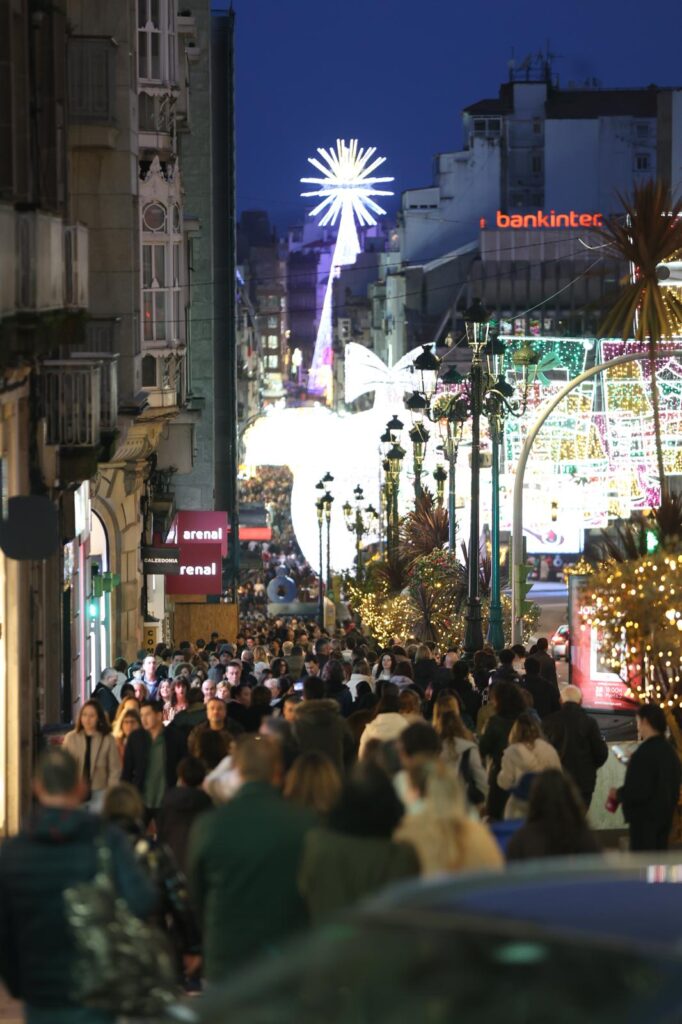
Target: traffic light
<point>523,585</point>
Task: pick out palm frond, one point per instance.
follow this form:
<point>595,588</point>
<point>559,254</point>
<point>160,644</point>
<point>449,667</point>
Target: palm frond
<point>423,529</point>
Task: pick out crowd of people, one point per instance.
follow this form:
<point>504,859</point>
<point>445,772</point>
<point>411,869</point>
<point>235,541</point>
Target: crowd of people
<point>249,789</point>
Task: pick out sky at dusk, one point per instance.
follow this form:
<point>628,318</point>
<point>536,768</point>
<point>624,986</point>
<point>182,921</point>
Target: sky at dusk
<point>396,75</point>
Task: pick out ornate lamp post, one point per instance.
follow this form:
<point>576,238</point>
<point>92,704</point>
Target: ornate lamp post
<point>319,506</point>
<point>419,437</point>
<point>394,455</point>
<point>440,476</point>
<point>323,507</point>
<point>359,521</point>
<point>328,502</point>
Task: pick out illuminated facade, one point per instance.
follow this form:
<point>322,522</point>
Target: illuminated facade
<point>346,189</point>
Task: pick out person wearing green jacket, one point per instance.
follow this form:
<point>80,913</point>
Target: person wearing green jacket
<point>243,864</point>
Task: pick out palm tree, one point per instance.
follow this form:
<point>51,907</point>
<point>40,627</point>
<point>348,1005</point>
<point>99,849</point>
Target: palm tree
<point>423,530</point>
<point>650,233</point>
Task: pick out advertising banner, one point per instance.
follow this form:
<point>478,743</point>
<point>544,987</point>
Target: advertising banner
<point>191,528</point>
<point>161,561</point>
<point>602,689</point>
<point>201,570</point>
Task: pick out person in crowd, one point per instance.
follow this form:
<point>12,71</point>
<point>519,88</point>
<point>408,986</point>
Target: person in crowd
<point>410,705</point>
<point>365,698</point>
<point>443,678</point>
<point>424,667</point>
<point>388,723</point>
<point>417,744</point>
<point>578,741</point>
<point>241,708</point>
<point>141,691</point>
<point>322,650</point>
<point>437,823</point>
<point>334,680</point>
<point>295,661</point>
<point>545,695</point>
<point>104,692</point>
<point>217,720</point>
<point>464,686</point>
<point>179,699</point>
<point>355,854</point>
<point>126,723</point>
<point>279,667</point>
<point>260,661</point>
<point>247,675</point>
<point>483,666</point>
<point>314,782</point>
<point>59,848</point>
<point>311,664</point>
<point>556,823</point>
<point>151,757</point>
<point>318,725</point>
<point>507,704</point>
<point>527,754</point>
<point>505,671</point>
<point>211,748</point>
<point>181,806</point>
<point>124,808</point>
<point>460,749</point>
<point>360,673</point>
<point>243,864</point>
<point>386,666</point>
<point>261,697</point>
<point>208,689</point>
<point>289,705</point>
<point>546,662</point>
<point>520,655</point>
<point>193,715</point>
<point>151,676</point>
<point>164,694</point>
<point>651,791</point>
<point>95,752</point>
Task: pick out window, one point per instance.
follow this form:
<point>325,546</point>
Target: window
<point>273,321</point>
<point>494,124</point>
<point>156,41</point>
<point>162,275</point>
<point>479,125</point>
<point>642,162</point>
<point>273,342</point>
<point>642,130</point>
<point>272,362</point>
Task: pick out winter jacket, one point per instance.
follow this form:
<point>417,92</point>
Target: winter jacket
<point>357,678</point>
<point>136,756</point>
<point>338,870</point>
<point>445,845</point>
<point>243,863</point>
<point>58,849</point>
<point>386,727</point>
<point>181,806</point>
<point>453,751</point>
<point>580,745</point>
<point>491,746</point>
<point>650,793</point>
<point>105,760</point>
<point>318,725</point>
<point>106,698</point>
<point>519,760</point>
<point>545,695</point>
<point>547,667</point>
<point>187,720</point>
<point>344,698</point>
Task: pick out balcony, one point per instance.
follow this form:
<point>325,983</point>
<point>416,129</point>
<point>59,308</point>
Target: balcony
<point>72,402</point>
<point>108,364</point>
<point>92,91</point>
<point>40,262</point>
<point>157,120</point>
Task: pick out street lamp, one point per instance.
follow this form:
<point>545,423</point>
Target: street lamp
<point>319,505</point>
<point>419,437</point>
<point>328,502</point>
<point>323,507</point>
<point>359,521</point>
<point>440,476</point>
<point>393,456</point>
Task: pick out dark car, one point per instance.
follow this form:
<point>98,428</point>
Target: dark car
<point>586,941</point>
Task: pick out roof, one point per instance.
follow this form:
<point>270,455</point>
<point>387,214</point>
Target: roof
<point>568,103</point>
<point>504,104</point>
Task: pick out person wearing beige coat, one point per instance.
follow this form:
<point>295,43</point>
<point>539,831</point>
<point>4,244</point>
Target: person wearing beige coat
<point>94,750</point>
<point>527,755</point>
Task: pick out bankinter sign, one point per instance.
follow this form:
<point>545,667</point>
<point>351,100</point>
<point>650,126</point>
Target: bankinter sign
<point>572,219</point>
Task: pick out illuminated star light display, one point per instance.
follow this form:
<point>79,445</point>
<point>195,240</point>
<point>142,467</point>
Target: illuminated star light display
<point>346,188</point>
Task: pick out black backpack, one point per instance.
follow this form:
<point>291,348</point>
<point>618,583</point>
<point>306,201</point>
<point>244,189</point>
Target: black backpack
<point>474,794</point>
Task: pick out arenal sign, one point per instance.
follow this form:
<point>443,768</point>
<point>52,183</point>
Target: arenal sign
<point>190,528</point>
<point>541,219</point>
<point>201,570</point>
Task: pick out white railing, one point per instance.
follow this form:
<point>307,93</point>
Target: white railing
<point>108,364</point>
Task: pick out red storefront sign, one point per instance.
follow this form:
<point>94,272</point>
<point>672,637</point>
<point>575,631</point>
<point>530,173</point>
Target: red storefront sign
<point>602,689</point>
<point>201,570</point>
<point>191,528</point>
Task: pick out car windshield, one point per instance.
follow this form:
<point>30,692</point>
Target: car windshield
<point>425,967</point>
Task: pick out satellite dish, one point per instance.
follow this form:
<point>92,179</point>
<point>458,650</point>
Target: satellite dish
<point>31,529</point>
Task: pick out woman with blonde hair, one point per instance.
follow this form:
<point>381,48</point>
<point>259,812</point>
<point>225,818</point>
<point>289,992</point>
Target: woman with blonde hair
<point>438,826</point>
<point>527,754</point>
<point>128,704</point>
<point>95,751</point>
<point>128,722</point>
<point>313,782</point>
<point>447,703</point>
<point>460,750</point>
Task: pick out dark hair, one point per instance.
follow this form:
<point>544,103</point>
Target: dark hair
<point>191,771</point>
<point>368,805</point>
<point>420,738</point>
<point>506,656</point>
<point>307,658</point>
<point>239,688</point>
<point>321,642</point>
<point>391,655</point>
<point>333,676</point>
<point>179,681</point>
<point>362,689</point>
<point>460,672</point>
<point>526,729</point>
<point>102,722</point>
<point>155,705</point>
<point>212,746</point>
<point>57,771</point>
<point>532,666</point>
<point>542,643</point>
<point>508,699</point>
<point>313,688</point>
<point>519,650</point>
<point>276,667</point>
<point>654,715</point>
<point>261,696</point>
<point>389,699</point>
<point>127,690</point>
<point>555,805</point>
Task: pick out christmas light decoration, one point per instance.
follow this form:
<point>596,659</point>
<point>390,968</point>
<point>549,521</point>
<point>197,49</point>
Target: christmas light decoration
<point>347,186</point>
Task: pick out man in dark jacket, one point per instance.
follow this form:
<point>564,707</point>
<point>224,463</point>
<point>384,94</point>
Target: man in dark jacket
<point>103,692</point>
<point>578,741</point>
<point>243,864</point>
<point>318,725</point>
<point>651,790</point>
<point>545,695</point>
<point>195,713</point>
<point>505,672</point>
<point>181,806</point>
<point>151,761</point>
<point>545,661</point>
<point>38,959</point>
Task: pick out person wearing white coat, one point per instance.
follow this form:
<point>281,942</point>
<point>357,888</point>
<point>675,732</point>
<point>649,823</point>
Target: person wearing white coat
<point>388,723</point>
<point>527,755</point>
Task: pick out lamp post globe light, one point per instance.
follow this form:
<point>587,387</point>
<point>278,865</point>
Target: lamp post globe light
<point>483,392</point>
<point>393,458</point>
<point>323,508</point>
<point>359,521</point>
